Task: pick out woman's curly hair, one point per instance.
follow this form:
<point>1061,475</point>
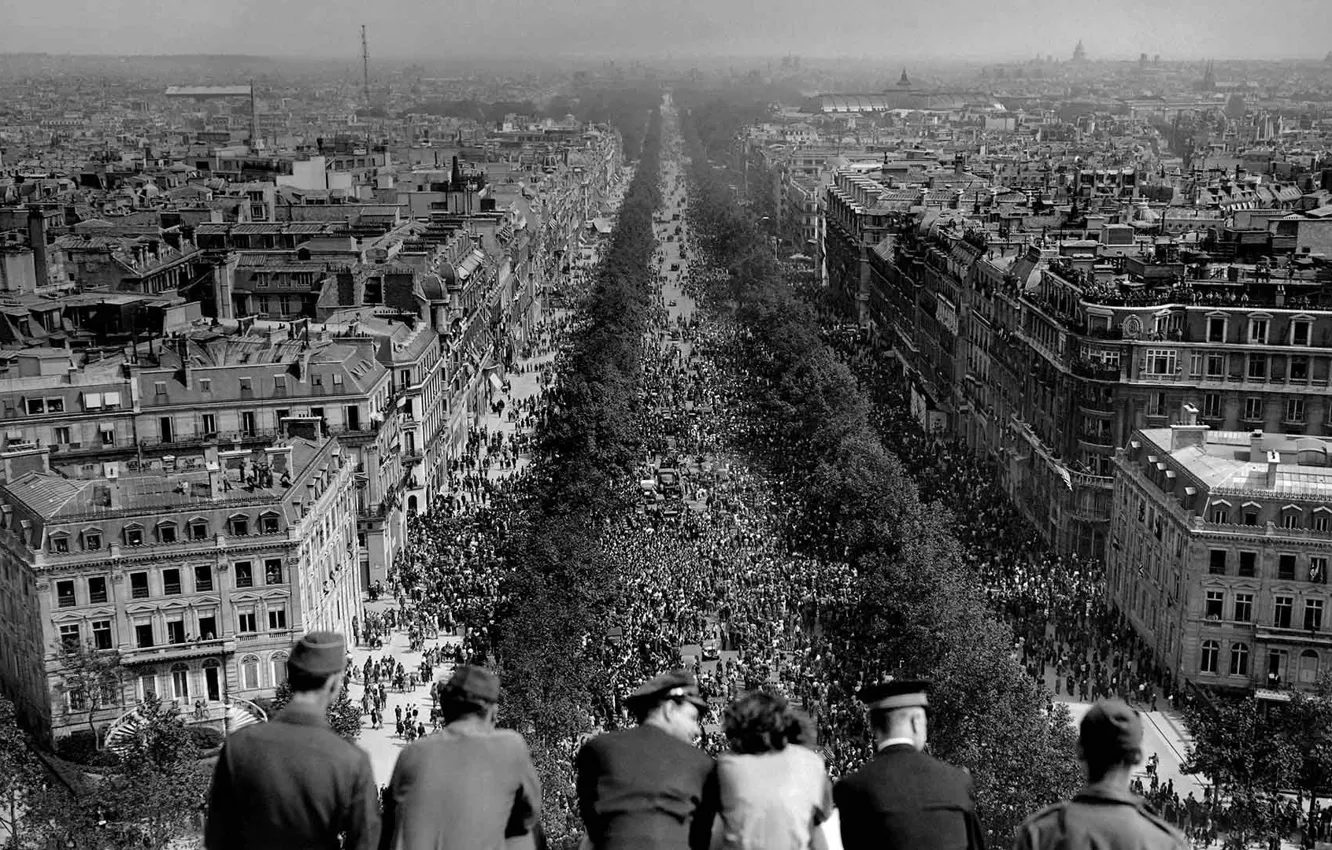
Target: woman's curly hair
<point>762,722</point>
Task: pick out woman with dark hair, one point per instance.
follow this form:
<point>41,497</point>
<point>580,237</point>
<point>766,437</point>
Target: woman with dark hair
<point>774,789</point>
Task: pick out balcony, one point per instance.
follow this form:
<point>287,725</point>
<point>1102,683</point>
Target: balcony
<point>1086,480</point>
<point>1096,370</point>
<point>177,651</point>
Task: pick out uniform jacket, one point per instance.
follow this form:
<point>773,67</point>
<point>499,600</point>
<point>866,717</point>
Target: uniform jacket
<point>642,789</point>
<point>467,787</point>
<point>1103,817</point>
<point>907,800</point>
<point>292,784</point>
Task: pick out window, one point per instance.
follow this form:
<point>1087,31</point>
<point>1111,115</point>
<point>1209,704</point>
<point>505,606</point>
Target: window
<point>273,571</point>
<point>101,633</point>
<point>175,631</point>
<point>208,422</point>
<point>268,524</point>
<point>1216,564</point>
<point>1291,518</point>
<point>1239,659</point>
<point>1258,331</point>
<point>203,579</point>
<point>147,684</point>
<point>92,540</point>
<point>159,387</point>
<point>62,435</point>
<point>36,406</point>
<point>1161,361</point>
<point>277,618</point>
<point>1210,650</point>
<point>239,526</point>
<point>1216,365</point>
<point>1243,607</point>
<point>1216,329</point>
<point>138,585</point>
<point>1318,569</point>
<point>166,429</point>
<point>69,637</point>
<point>1258,367</point>
<point>1308,667</point>
<point>133,535</point>
<point>1282,611</point>
<point>246,387</point>
<point>180,681</point>
<point>1286,567</point>
<point>1215,605</point>
<point>206,385</point>
<point>250,672</point>
<point>1220,514</point>
<point>1250,514</point>
<point>1320,519</point>
<point>1156,404</point>
<point>166,532</point>
<point>207,627</point>
<point>279,664</point>
<point>198,529</point>
<point>244,574</point>
<point>1300,332</point>
<point>108,435</point>
<point>65,597</point>
<point>1299,368</point>
<point>245,621</point>
<point>143,635</point>
<point>171,582</point>
<point>1295,410</point>
<point>1211,405</point>
<point>1253,409</point>
<point>97,590</point>
<point>1313,614</point>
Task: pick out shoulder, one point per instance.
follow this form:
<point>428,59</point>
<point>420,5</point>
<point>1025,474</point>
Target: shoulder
<point>1048,815</point>
<point>1168,836</point>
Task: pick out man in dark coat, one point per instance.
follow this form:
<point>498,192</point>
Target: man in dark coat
<point>470,786</point>
<point>1105,814</point>
<point>294,782</point>
<point>649,787</point>
<point>905,799</point>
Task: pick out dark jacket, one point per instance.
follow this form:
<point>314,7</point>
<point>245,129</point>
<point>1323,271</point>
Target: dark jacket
<point>1101,816</point>
<point>292,784</point>
<point>907,800</point>
<point>467,787</point>
<point>642,789</point>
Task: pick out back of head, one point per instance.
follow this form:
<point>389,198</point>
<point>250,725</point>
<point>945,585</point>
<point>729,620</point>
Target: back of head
<point>1109,736</point>
<point>314,660</point>
<point>762,722</point>
<point>470,691</point>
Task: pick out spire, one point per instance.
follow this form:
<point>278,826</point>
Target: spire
<point>904,81</point>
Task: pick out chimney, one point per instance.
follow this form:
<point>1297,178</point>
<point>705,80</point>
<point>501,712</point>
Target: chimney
<point>1256,450</point>
<point>1188,432</point>
<point>307,427</point>
<point>1273,461</point>
<point>224,281</point>
<point>37,238</point>
<point>215,473</point>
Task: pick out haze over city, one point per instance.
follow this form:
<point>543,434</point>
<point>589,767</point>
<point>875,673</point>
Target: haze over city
<point>955,29</point>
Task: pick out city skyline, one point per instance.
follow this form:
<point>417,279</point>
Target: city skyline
<point>963,30</point>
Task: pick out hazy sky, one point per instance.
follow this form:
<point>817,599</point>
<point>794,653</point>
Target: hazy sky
<point>972,29</point>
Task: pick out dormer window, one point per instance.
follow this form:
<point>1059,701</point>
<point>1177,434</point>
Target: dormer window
<point>268,523</point>
<point>198,529</point>
<point>134,535</point>
<point>1301,332</point>
<point>92,540</point>
<point>60,543</point>
<point>239,525</point>
<point>1258,330</point>
<point>166,532</point>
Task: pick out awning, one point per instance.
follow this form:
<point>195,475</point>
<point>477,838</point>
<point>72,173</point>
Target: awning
<point>92,400</point>
<point>469,264</point>
<point>112,399</point>
<point>106,427</point>
<point>495,383</point>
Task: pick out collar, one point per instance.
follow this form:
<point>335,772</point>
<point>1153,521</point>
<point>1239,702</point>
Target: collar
<point>1107,792</point>
<point>894,742</point>
<point>302,715</point>
<point>470,725</point>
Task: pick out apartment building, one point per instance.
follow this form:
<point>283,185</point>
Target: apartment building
<point>196,573</point>
<point>1220,542</point>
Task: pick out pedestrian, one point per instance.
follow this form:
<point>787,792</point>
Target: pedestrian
<point>1105,813</point>
<point>774,791</point>
<point>294,782</point>
<point>471,786</point>
<point>649,787</point>
<point>904,798</point>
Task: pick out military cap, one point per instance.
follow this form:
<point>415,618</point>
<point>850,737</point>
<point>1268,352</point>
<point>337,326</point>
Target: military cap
<point>899,693</point>
<point>1110,728</point>
<point>318,654</point>
<point>676,685</point>
<point>472,682</point>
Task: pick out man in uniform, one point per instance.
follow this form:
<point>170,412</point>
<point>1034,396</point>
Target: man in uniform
<point>469,787</point>
<point>1105,814</point>
<point>294,783</point>
<point>649,787</point>
<point>904,799</point>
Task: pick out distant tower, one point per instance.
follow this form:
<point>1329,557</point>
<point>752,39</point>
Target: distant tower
<point>1079,53</point>
<point>365,68</point>
<point>904,81</point>
<point>1209,78</point>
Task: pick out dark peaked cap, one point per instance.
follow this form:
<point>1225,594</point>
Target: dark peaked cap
<point>679,684</point>
<point>472,682</point>
<point>901,693</point>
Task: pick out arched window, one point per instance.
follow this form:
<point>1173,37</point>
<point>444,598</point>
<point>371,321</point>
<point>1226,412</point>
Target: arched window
<point>1308,666</point>
<point>250,672</point>
<point>279,664</point>
<point>180,681</point>
<point>1239,659</point>
<point>411,504</point>
<point>1210,652</point>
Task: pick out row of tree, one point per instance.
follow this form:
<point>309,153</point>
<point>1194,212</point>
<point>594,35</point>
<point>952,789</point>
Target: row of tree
<point>561,587</point>
<point>918,608</point>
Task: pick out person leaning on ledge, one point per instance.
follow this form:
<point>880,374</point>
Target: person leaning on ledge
<point>904,799</point>
<point>649,787</point>
<point>294,783</point>
<point>1105,814</point>
<point>469,787</point>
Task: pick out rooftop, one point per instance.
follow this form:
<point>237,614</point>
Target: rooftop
<point>1238,462</point>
